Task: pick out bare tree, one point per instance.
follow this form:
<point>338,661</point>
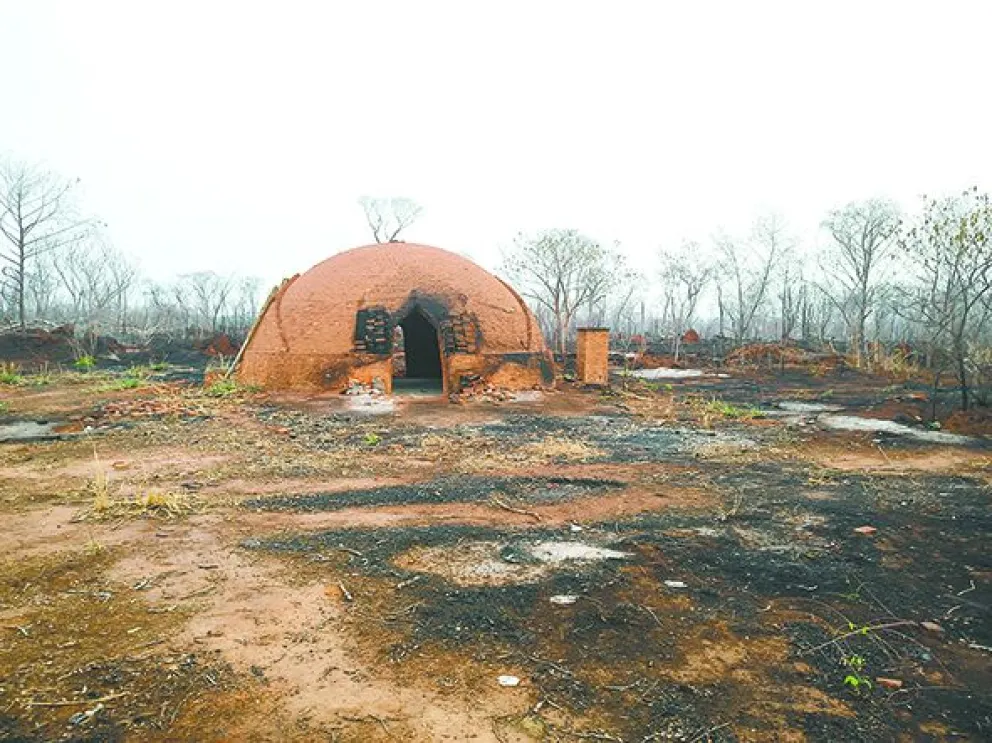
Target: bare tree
<point>563,271</point>
<point>684,275</point>
<point>206,293</point>
<point>823,316</point>
<point>42,287</point>
<point>792,289</point>
<point>201,303</point>
<point>388,217</point>
<point>161,313</point>
<point>97,279</point>
<point>864,235</point>
<point>950,249</point>
<point>626,305</point>
<point>123,278</point>
<point>37,215</point>
<point>244,302</point>
<point>749,266</point>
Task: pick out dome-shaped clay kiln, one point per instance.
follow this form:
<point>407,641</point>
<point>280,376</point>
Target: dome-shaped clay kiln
<point>391,312</point>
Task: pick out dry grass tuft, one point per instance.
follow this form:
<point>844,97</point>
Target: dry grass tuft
<point>93,547</point>
<point>153,504</point>
<point>551,449</point>
<point>99,486</point>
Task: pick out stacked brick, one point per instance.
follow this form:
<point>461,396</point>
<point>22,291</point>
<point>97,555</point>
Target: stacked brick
<point>460,334</point>
<point>373,331</point>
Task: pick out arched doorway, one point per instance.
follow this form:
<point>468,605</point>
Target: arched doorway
<point>422,370</point>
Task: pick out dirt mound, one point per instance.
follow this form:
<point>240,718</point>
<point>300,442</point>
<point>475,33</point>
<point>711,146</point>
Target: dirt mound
<point>757,354</point>
<point>974,422</point>
<point>217,345</point>
<point>655,361</point>
<point>37,346</point>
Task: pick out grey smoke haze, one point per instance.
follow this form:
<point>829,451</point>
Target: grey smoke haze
<point>239,135</point>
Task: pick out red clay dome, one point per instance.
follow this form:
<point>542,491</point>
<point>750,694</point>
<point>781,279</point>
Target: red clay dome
<point>395,309</point>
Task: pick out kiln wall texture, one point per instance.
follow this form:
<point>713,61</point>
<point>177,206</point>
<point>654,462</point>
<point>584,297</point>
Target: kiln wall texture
<point>335,323</point>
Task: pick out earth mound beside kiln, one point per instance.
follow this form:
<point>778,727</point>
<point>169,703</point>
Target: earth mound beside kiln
<point>396,310</point>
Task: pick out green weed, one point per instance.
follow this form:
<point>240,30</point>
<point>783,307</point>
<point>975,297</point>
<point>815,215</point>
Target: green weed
<point>229,387</point>
<point>138,372</point>
<point>729,410</point>
<point>372,439</point>
<point>10,374</point>
<point>855,679</point>
<point>222,388</point>
<point>125,383</point>
<point>660,386</point>
<point>85,362</point>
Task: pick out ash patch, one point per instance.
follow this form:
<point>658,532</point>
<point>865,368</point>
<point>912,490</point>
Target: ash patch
<point>624,438</point>
<point>556,552</point>
<point>490,563</point>
<point>669,373</point>
<point>800,406</point>
<point>445,490</point>
<point>376,551</point>
<point>620,438</point>
<point>27,431</point>
<point>329,432</point>
<point>872,425</point>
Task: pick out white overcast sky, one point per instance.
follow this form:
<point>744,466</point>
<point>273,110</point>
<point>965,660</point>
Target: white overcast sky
<point>238,136</point>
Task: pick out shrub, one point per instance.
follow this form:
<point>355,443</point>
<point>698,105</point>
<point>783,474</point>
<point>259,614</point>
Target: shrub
<point>9,374</point>
<point>85,362</point>
<point>223,388</point>
<point>125,383</point>
<point>138,372</point>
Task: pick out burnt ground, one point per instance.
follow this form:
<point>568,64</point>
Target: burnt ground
<point>662,561</point>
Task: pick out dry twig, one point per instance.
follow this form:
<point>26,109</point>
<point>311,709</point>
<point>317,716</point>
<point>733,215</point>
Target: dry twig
<point>507,507</point>
<point>861,631</point>
<point>707,733</point>
<point>73,703</point>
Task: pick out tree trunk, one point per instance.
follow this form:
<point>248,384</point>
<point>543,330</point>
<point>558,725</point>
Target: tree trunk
<point>856,346</point>
<point>934,395</point>
<point>719,304</point>
<point>962,380</point>
<point>20,292</point>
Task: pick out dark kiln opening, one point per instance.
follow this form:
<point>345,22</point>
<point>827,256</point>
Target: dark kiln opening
<point>421,353</point>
